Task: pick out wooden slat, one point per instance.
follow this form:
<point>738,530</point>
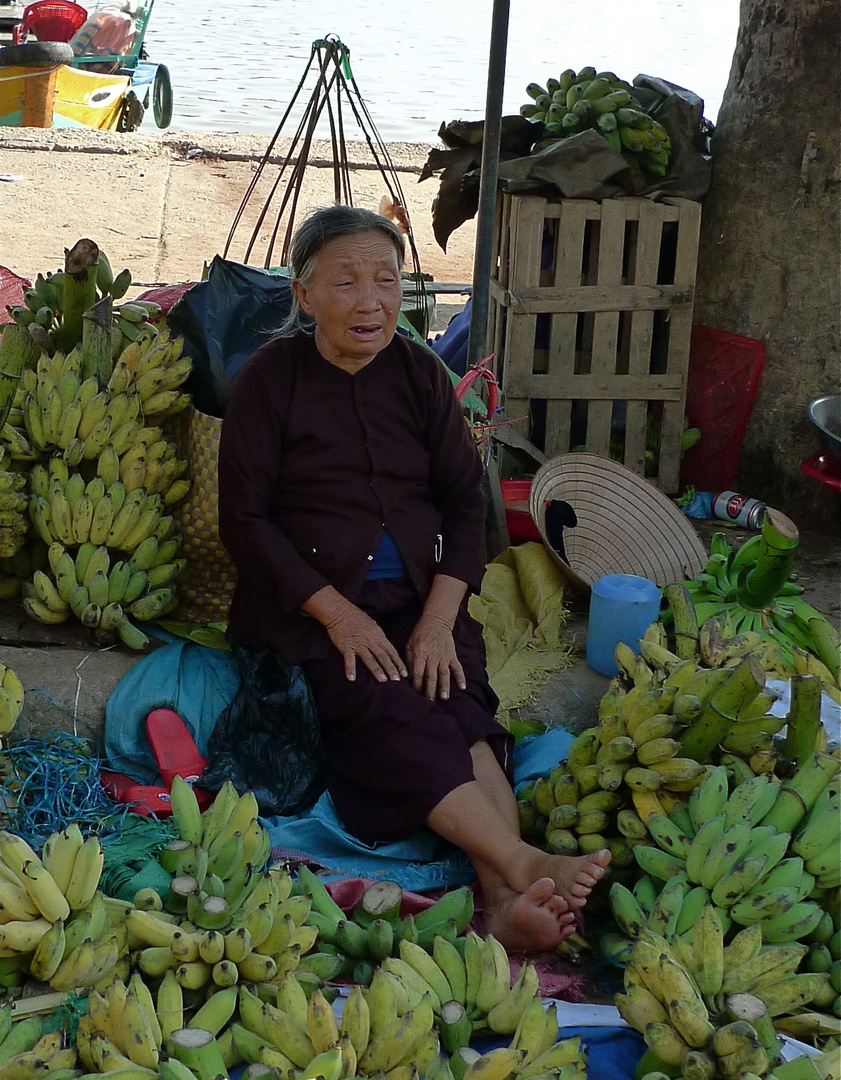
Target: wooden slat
<point>606,325</point>
<point>510,436</point>
<point>598,387</point>
<point>597,298</point>
<point>570,240</point>
<point>668,209</point>
<point>526,228</point>
<point>493,329</point>
<point>505,242</point>
<point>680,329</point>
<point>645,267</point>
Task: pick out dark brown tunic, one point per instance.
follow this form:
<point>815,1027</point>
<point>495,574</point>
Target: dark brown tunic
<point>313,464</point>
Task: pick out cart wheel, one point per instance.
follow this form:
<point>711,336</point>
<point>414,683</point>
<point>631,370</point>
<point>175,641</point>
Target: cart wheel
<point>36,54</point>
<point>162,97</point>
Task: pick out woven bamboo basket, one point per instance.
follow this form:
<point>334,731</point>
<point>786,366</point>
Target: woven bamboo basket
<point>207,584</point>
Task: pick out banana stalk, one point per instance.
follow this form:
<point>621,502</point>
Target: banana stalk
<point>199,1051</point>
<point>752,1008</point>
<point>804,717</point>
<point>779,540</point>
<point>685,620</point>
<point>750,591</point>
<point>96,341</point>
<point>80,267</point>
<point>799,794</point>
<point>722,710</point>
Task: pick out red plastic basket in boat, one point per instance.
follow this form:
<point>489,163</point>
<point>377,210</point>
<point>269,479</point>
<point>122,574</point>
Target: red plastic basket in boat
<point>724,371</point>
<point>50,20</point>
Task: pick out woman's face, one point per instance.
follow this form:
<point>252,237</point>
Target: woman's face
<point>354,297</point>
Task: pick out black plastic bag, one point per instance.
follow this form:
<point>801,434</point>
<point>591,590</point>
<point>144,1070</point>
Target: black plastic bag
<point>267,740</point>
<point>223,320</point>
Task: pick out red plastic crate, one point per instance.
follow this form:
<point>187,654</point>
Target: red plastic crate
<point>723,379</point>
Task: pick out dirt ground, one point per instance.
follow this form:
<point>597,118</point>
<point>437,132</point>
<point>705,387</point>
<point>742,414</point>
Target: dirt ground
<point>163,205</point>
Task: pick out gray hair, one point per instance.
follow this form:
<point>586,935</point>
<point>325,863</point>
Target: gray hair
<point>319,228</point>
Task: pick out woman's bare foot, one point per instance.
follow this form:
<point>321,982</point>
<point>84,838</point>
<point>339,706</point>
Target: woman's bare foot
<point>574,876</point>
<point>531,921</point>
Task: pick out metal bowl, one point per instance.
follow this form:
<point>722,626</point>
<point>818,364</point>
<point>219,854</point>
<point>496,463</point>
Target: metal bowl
<point>825,414</point>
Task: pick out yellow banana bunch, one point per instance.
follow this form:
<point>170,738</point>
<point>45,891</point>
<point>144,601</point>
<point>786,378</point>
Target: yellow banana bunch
<point>63,416</point>
<point>96,521</point>
<point>663,1001</point>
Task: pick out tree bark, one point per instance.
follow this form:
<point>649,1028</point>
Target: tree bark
<point>770,238</point>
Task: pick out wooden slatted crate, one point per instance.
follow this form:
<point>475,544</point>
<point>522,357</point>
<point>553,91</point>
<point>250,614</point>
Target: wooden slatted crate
<point>589,322</point>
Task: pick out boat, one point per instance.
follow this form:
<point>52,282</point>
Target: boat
<point>84,70</point>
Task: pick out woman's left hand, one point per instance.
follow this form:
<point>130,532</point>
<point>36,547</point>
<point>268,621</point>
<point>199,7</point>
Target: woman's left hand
<point>432,659</point>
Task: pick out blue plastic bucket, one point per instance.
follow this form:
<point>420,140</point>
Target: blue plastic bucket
<point>622,607</point>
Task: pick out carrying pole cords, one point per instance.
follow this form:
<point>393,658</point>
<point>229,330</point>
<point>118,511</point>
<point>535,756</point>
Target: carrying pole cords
<point>334,92</point>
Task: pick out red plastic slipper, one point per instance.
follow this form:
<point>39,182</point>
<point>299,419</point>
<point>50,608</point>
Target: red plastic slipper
<point>148,799</point>
<point>173,746</point>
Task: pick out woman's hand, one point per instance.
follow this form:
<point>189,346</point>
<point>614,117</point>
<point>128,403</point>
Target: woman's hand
<point>355,634</point>
<point>431,650</point>
<point>433,662</point>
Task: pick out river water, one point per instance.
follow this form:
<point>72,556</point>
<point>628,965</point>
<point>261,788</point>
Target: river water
<point>235,66</point>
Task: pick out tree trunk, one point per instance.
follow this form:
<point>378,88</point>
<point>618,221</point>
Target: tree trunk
<point>769,255</point>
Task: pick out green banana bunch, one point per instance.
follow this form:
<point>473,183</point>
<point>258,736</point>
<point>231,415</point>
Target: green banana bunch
<point>752,591</point>
<point>659,722</point>
<point>741,858</point>
<point>600,101</point>
<point>709,1009</point>
<point>374,929</point>
<point>95,521</point>
<point>52,305</point>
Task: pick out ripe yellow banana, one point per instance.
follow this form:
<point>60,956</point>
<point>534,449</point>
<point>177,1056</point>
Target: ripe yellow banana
<point>505,1016</point>
<point>425,966</point>
<point>495,979</point>
<point>321,1022</point>
<point>387,1049</point>
<point>87,870</point>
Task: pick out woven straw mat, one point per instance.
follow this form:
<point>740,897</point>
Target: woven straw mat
<point>207,584</point>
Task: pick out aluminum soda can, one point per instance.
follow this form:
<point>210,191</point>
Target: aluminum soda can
<point>739,509</point>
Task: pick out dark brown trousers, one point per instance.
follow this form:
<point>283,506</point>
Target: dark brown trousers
<point>392,755</point>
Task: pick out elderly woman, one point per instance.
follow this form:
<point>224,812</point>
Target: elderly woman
<point>350,501</point>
